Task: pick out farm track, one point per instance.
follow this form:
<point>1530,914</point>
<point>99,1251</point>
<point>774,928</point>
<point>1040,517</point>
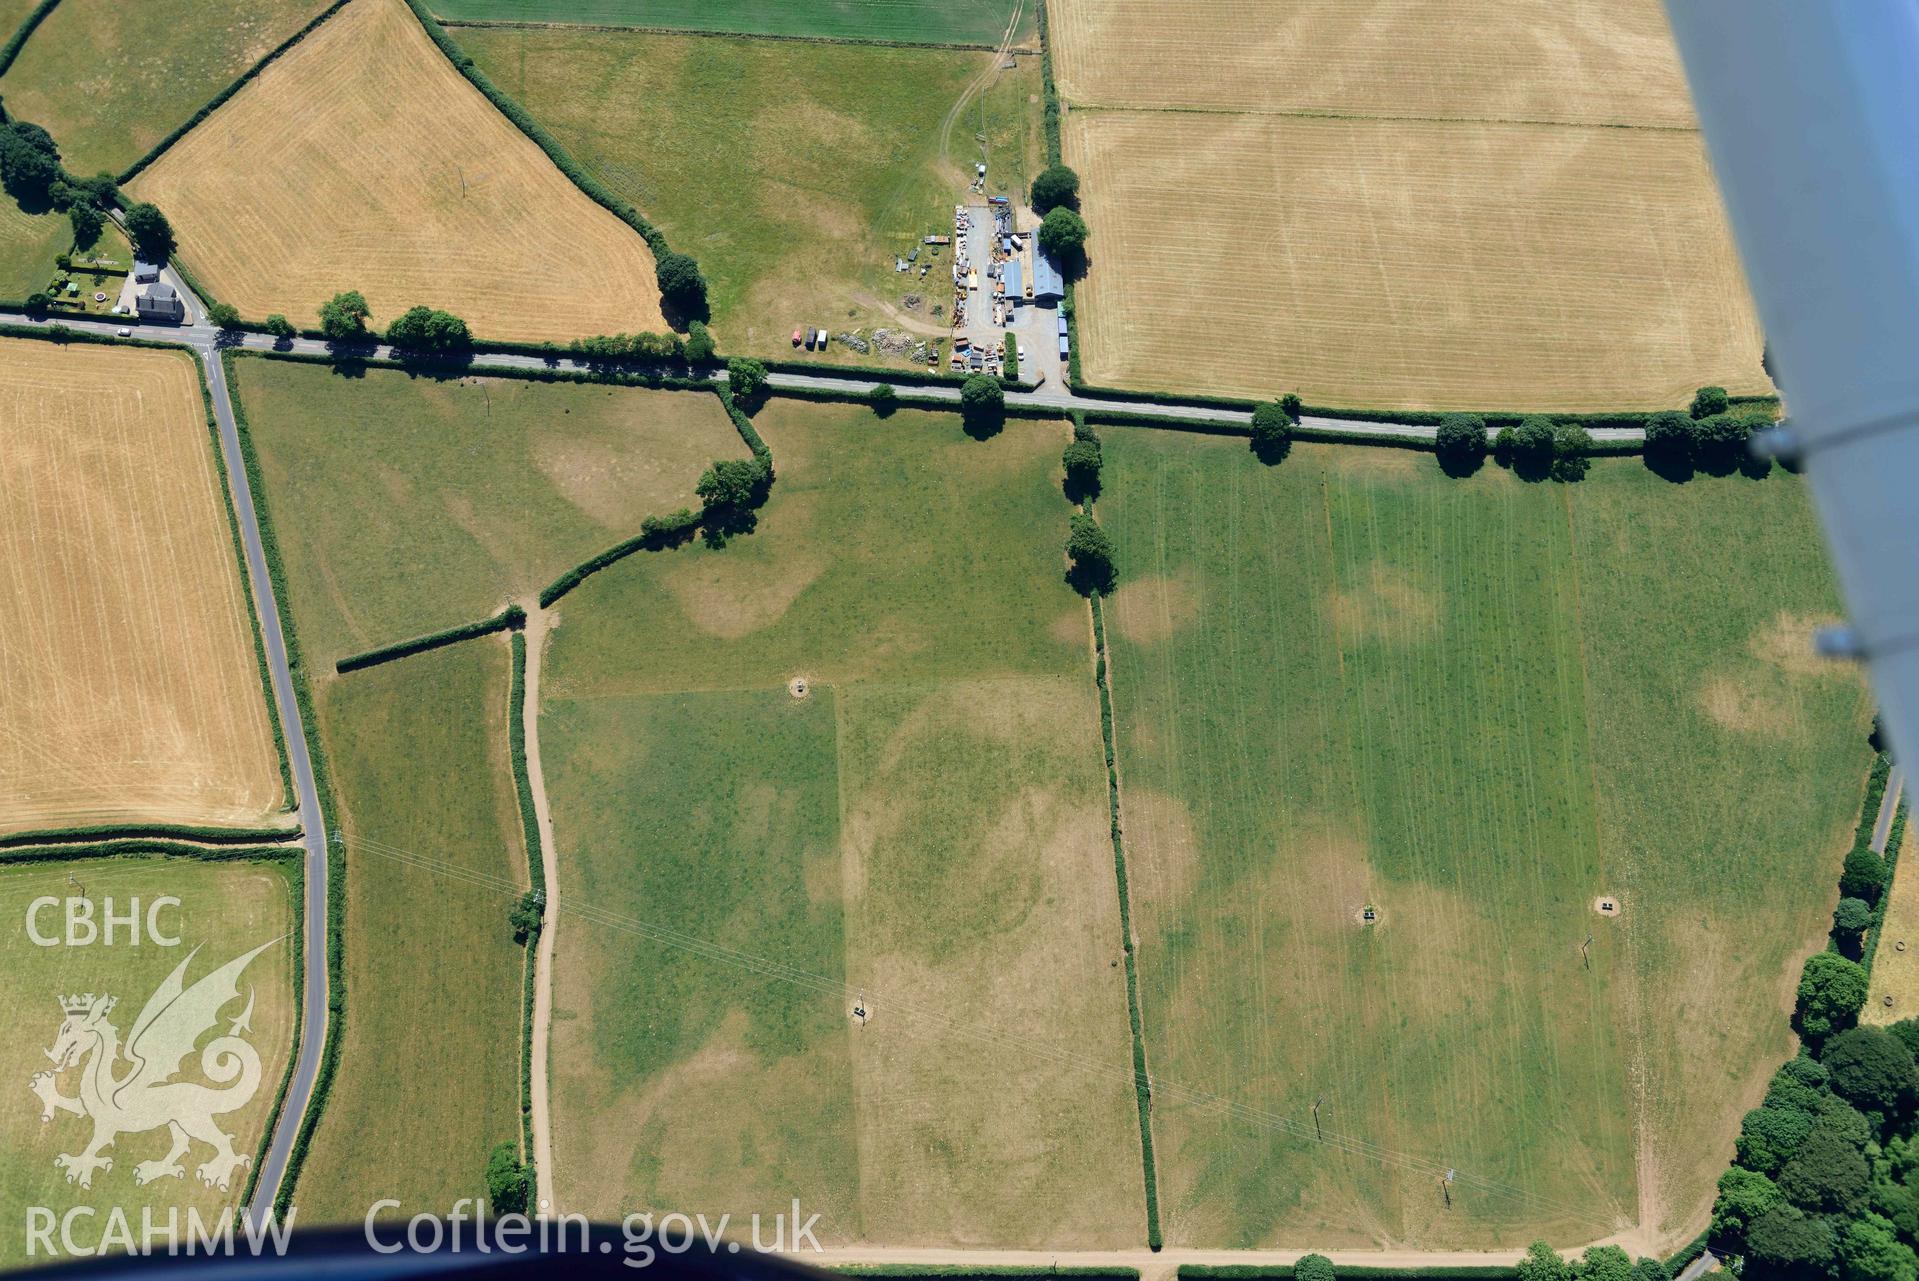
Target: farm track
<point>538,623</point>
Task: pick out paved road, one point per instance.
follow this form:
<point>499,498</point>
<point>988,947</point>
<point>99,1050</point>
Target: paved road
<point>200,339</point>
<point>1048,396</point>
<point>1888,805</point>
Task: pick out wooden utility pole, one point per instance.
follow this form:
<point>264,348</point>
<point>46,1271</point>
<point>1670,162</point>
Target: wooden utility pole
<point>1316,1130</point>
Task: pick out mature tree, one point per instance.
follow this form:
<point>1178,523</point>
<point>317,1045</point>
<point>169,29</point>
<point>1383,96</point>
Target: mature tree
<point>1871,1069</point>
<point>39,303</point>
<point>1669,436</point>
<point>982,404</point>
<point>1082,462</point>
<point>1827,1173</point>
<point>732,484</point>
<point>681,284</point>
<point>1542,1263</point>
<point>1056,187</point>
<point>87,225</point>
<point>1870,1250</point>
<point>525,915</point>
<point>343,317</point>
<point>1769,1135</point>
<point>1461,441</point>
<point>1850,920</point>
<point>101,189</point>
<point>224,315</point>
<point>1572,451</point>
<point>279,326</point>
<point>1721,436</point>
<point>1744,1195</point>
<point>1708,401</point>
<point>426,329</point>
<point>1907,1030</point>
<point>1603,1263</point>
<point>1092,554</point>
<point>746,377</point>
<point>1062,234</point>
<point>1786,1242</point>
<point>1292,404</point>
<point>29,162</point>
<point>1895,1185</point>
<point>150,231</point>
<point>1831,990</point>
<point>1533,442</point>
<point>883,399</point>
<point>509,1184</point>
<point>1311,1267</point>
<point>1864,875</point>
<point>1651,1270</point>
<point>1272,431</point>
<point>699,342</point>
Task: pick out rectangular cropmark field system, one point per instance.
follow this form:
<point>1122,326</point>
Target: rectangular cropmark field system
<point>133,690</point>
<point>363,159</point>
<point>1454,215</point>
<point>1478,708</point>
<point>857,941</point>
<point>223,909</point>
<point>973,22</point>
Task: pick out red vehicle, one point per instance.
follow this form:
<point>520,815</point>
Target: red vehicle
<point>797,340</point>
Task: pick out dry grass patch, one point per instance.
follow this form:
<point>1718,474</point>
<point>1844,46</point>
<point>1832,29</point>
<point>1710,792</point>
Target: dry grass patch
<point>992,1086</point>
<point>364,160</point>
<point>1408,263</point>
<point>1481,59</point>
<point>132,687</point>
<point>1895,966</point>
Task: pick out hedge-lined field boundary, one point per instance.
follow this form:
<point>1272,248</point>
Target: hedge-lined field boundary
<point>219,99</point>
<point>1142,1083</point>
<point>526,124</point>
<point>536,880</point>
<point>197,833</point>
<point>660,531</point>
<point>610,28</point>
<point>11,50</point>
<point>295,868</point>
<point>139,846</point>
<point>323,790</point>
<point>512,618</point>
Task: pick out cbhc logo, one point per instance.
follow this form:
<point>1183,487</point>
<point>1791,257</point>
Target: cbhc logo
<point>83,928</point>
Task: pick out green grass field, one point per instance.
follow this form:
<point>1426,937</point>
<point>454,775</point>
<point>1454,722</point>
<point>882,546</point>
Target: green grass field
<point>924,832</point>
<point>225,910</point>
<point>110,80</point>
<point>978,22</point>
<point>429,1077</point>
<point>794,171</point>
<point>1348,681</point>
<point>409,504</point>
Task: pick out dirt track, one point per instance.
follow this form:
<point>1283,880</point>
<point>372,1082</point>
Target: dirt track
<point>538,622</point>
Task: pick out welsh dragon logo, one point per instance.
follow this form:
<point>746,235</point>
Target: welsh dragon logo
<point>143,1095</point>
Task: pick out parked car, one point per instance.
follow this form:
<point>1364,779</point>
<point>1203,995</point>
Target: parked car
<point>124,332</point>
<point>798,337</point>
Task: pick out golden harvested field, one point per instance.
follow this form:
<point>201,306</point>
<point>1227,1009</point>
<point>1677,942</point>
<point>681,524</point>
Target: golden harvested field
<point>131,686</point>
<point>363,160</point>
<point>1895,969</point>
<point>1407,264</point>
<point>1588,61</point>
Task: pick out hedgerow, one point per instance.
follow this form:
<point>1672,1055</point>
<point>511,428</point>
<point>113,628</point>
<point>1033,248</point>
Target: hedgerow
<point>511,618</point>
<point>594,189</point>
<point>220,98</point>
<point>202,835</point>
<point>536,875</point>
<point>11,50</point>
<point>139,846</point>
<point>1142,1086</point>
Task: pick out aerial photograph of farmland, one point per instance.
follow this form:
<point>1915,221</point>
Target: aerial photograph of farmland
<point>1143,640</point>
